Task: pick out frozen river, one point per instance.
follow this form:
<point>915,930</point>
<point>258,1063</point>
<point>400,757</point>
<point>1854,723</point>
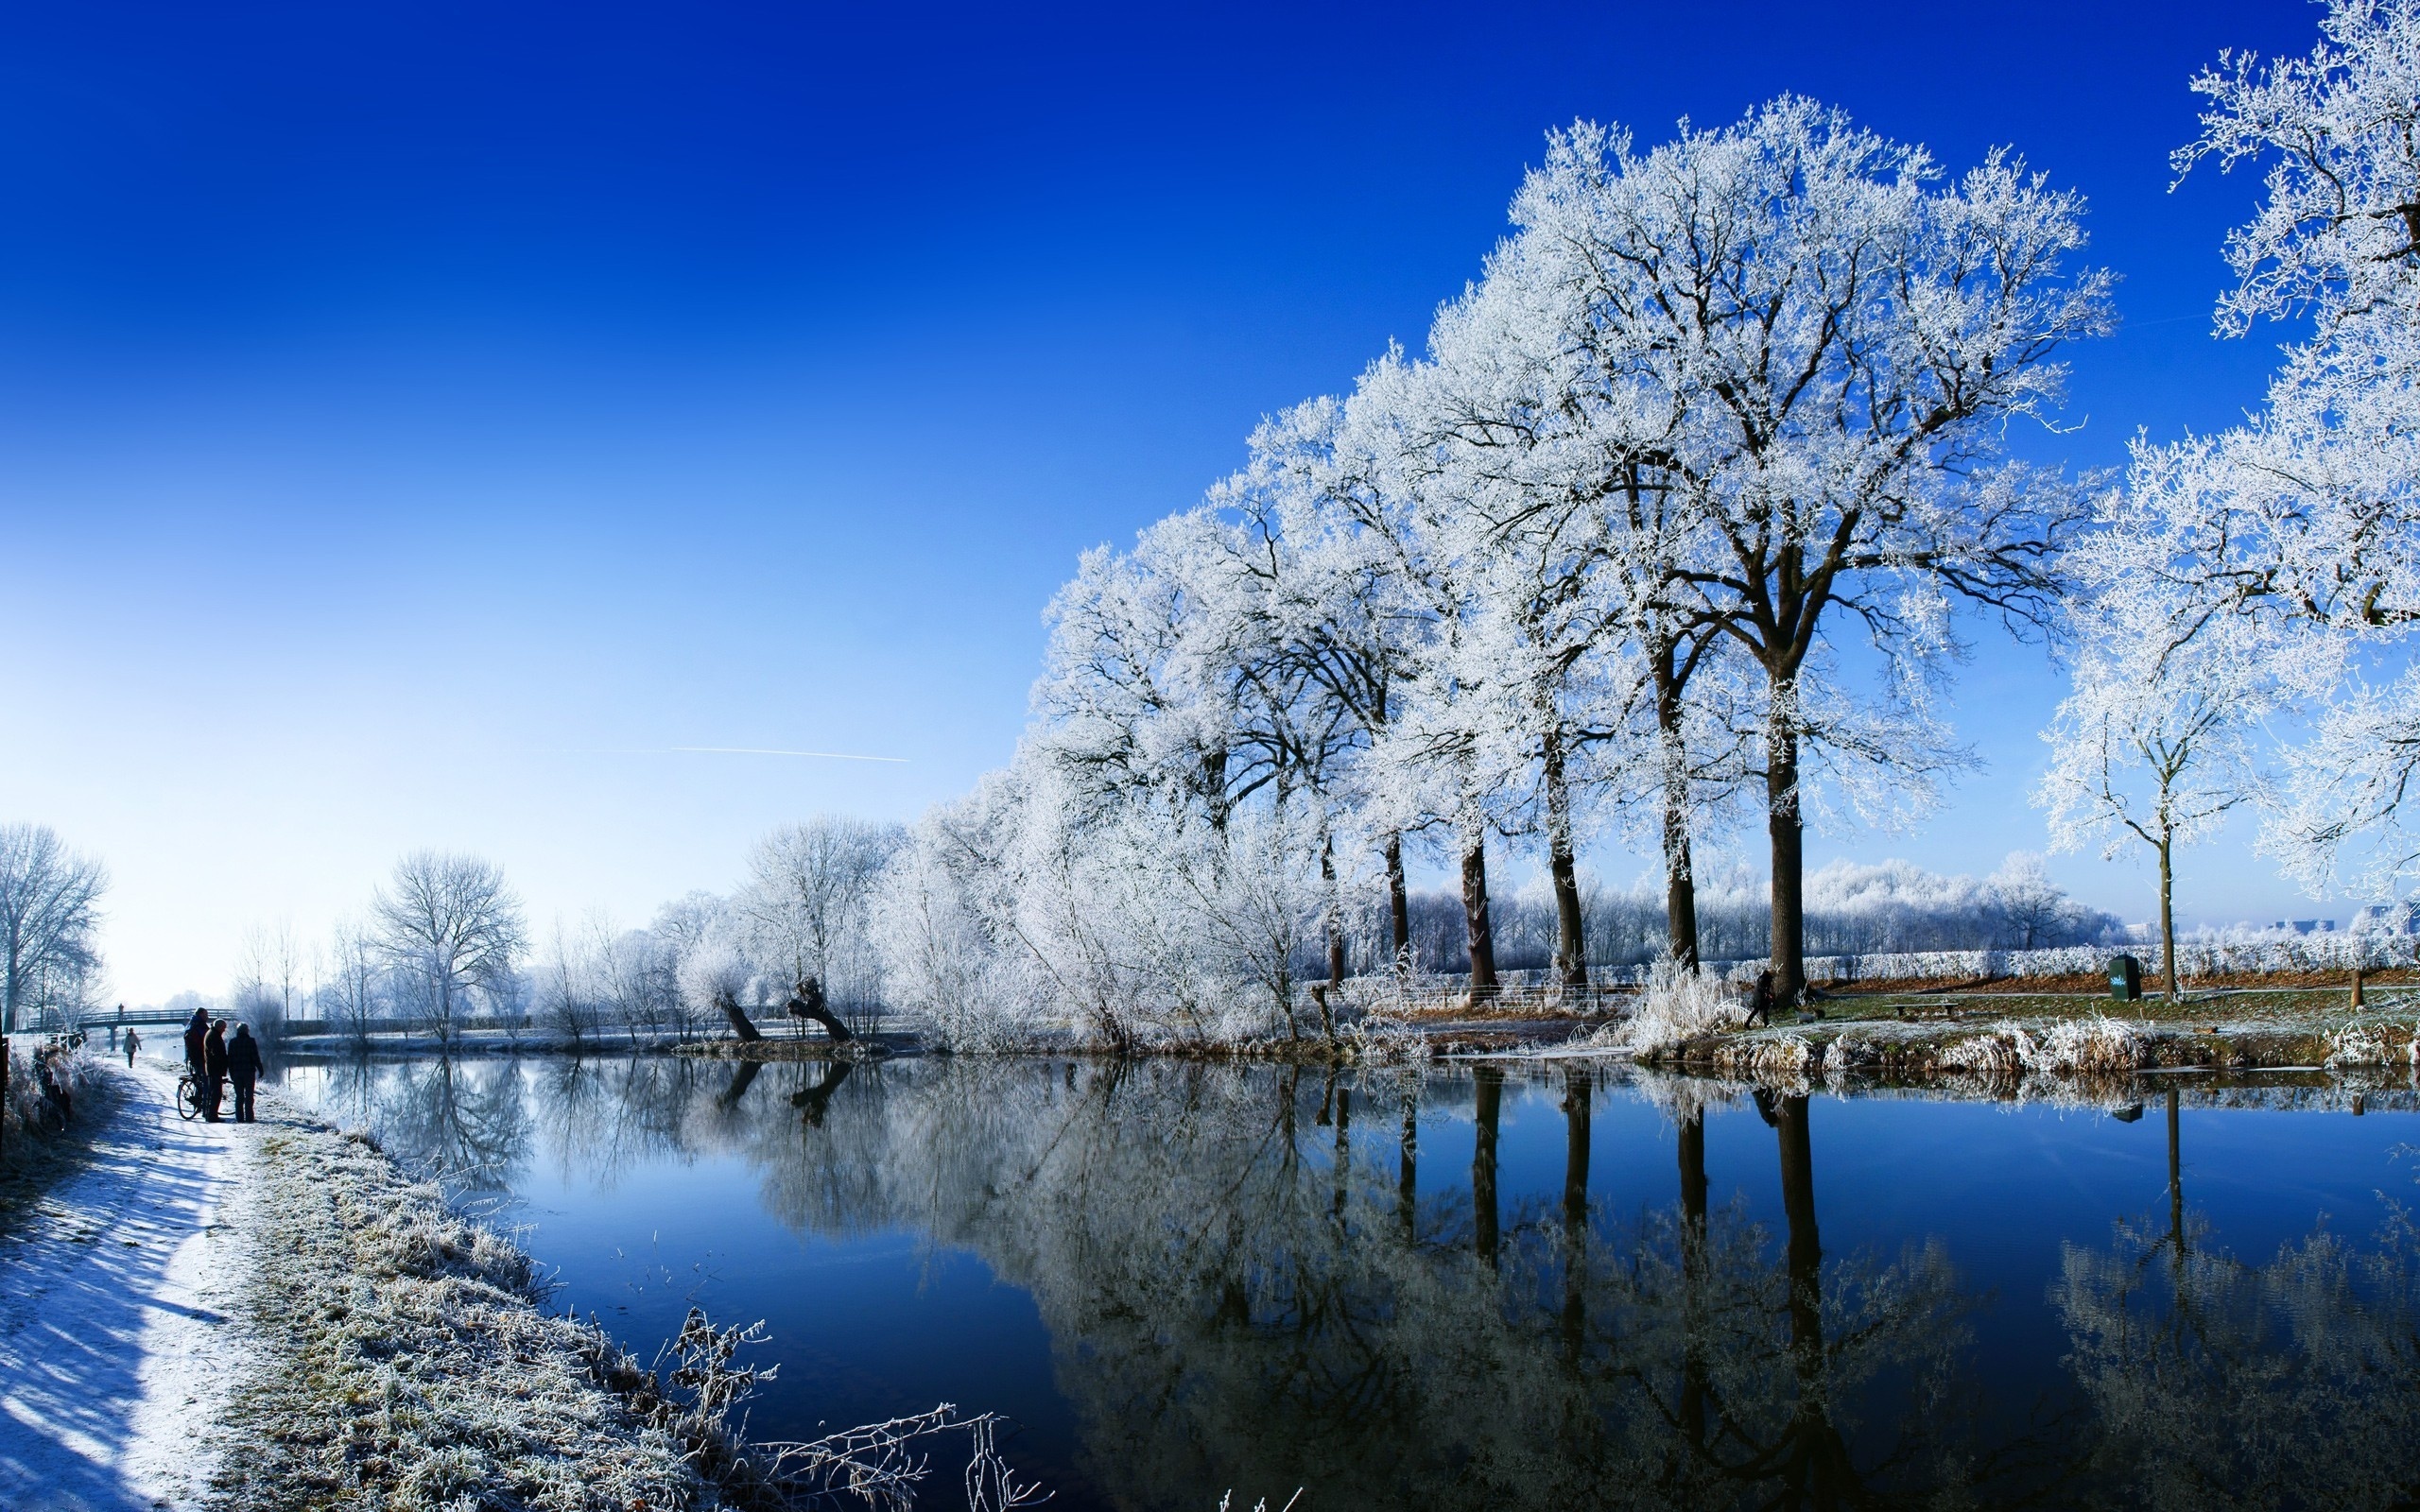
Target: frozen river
<point>1465,1288</point>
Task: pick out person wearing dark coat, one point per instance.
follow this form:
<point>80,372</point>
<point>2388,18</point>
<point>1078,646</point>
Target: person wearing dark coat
<point>243,1069</point>
<point>133,1041</point>
<point>198,1052</point>
<point>1760,1008</point>
<point>215,1068</point>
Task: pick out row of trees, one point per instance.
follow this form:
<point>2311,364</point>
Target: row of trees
<point>2245,605</point>
<point>1672,523</point>
<point>1677,521</point>
<point>446,943</point>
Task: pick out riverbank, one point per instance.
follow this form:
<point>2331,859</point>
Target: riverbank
<point>1901,1030</point>
<point>2033,1036</point>
<point>401,1355</point>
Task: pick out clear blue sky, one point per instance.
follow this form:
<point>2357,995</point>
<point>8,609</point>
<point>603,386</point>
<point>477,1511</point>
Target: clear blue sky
<point>414,418</point>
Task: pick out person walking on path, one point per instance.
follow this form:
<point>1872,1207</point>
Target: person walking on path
<point>132,1039</point>
<point>243,1069</point>
<point>198,1052</point>
<point>1760,1008</point>
<point>215,1065</point>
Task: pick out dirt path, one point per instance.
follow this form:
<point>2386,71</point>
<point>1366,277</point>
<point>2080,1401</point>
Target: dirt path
<point>115,1338</point>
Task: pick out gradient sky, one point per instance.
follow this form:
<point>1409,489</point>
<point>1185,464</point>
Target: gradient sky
<point>416,418</point>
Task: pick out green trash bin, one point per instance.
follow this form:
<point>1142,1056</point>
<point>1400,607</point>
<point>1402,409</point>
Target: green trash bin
<point>2125,978</point>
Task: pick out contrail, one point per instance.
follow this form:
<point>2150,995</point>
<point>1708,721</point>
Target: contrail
<point>752,750</point>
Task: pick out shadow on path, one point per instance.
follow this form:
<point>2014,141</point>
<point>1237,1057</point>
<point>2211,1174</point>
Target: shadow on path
<point>112,1325</point>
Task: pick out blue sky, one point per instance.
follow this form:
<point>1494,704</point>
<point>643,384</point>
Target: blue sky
<point>415,418</point>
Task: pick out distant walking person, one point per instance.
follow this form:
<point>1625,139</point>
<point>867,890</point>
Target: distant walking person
<point>132,1039</point>
<point>243,1069</point>
<point>215,1069</point>
<point>198,1053</point>
<point>1761,1009</point>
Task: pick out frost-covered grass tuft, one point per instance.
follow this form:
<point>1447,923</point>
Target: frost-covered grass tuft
<point>2098,1046</point>
<point>405,1363</point>
<point>1676,1005</point>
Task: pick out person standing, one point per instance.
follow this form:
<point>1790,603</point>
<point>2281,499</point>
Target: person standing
<point>198,1053</point>
<point>244,1068</point>
<point>132,1039</point>
<point>215,1069</point>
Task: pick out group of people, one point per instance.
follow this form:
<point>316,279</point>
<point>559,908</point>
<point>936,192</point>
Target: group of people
<point>218,1062</point>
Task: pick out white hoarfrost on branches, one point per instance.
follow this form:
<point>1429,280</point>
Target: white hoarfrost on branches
<point>452,929</point>
<point>1581,564</point>
<point>713,974</point>
<point>2154,745</point>
<point>1836,340</point>
<point>2308,517</point>
<point>49,915</point>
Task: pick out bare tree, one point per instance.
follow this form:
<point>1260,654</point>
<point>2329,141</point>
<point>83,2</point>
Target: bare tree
<point>809,896</point>
<point>451,925</point>
<point>269,977</point>
<point>353,995</point>
<point>49,909</point>
<point>567,989</point>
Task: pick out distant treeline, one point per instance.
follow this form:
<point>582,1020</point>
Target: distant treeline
<point>1852,909</point>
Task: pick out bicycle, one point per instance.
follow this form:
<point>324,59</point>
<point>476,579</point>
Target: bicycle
<point>189,1103</point>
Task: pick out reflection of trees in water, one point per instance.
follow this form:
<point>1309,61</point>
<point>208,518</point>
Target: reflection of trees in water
<point>1249,1284</point>
<point>462,1120</point>
<point>2220,1382</point>
<point>1237,1300</point>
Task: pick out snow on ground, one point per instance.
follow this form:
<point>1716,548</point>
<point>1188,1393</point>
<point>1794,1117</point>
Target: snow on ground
<point>117,1334</point>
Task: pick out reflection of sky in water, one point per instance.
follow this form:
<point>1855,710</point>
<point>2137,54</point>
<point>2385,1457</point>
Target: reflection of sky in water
<point>1230,1314</point>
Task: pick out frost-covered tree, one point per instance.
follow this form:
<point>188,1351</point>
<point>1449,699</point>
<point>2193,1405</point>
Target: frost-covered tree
<point>49,916</point>
<point>2154,743</point>
<point>808,896</point>
<point>1849,337</point>
<point>354,993</point>
<point>448,924</point>
<point>2309,514</point>
<point>1319,555</point>
<point>1555,433</point>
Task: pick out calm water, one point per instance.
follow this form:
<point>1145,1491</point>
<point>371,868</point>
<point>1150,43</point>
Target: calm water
<point>1464,1289</point>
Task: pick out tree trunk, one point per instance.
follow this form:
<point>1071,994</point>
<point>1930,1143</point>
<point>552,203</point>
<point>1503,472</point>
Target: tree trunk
<point>1570,949</point>
<point>2175,1182</point>
<point>742,1078</point>
<point>1475,915</point>
<point>739,1025</point>
<point>1785,830</point>
<point>811,1006</point>
<point>1335,915</point>
<point>1408,1168</point>
<point>1575,1151</point>
<point>1398,907</point>
<point>1489,1097</point>
<point>2167,918</point>
<point>1574,1219</point>
<point>1680,890</point>
<point>1695,1376</point>
<point>1680,878</point>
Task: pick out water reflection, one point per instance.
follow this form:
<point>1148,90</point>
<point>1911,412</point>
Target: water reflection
<point>1250,1280</point>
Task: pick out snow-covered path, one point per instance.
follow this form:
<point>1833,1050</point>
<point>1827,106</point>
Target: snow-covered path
<point>115,1343</point>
